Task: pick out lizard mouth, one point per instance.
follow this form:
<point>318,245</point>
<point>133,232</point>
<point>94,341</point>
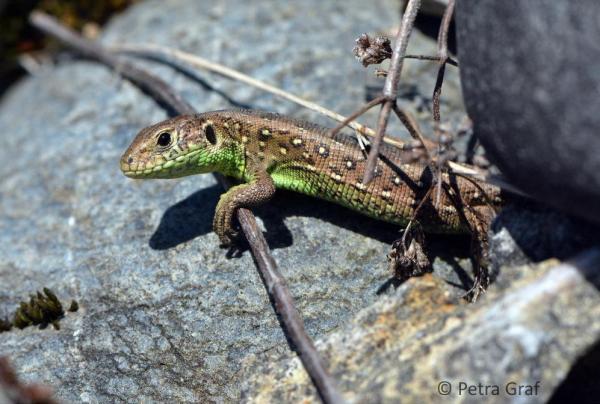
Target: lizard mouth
<point>132,169</point>
<point>171,168</point>
<point>139,173</point>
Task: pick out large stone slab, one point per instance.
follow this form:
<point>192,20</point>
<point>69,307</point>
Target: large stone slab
<point>165,315</point>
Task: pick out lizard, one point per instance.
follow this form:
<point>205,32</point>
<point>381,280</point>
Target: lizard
<point>267,151</point>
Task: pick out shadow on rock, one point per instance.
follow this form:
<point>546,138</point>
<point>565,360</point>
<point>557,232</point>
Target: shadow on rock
<point>187,219</point>
<point>192,217</point>
<point>541,232</point>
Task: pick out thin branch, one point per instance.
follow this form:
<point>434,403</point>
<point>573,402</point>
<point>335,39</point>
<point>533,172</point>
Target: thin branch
<point>414,216</point>
<point>437,92</point>
<point>356,114</point>
<point>410,124</point>
<point>167,55</point>
<point>159,89</point>
<point>450,61</point>
<point>499,181</point>
<point>285,306</point>
<point>390,88</point>
<point>442,43</point>
<point>384,116</point>
<point>443,32</point>
<point>276,285</point>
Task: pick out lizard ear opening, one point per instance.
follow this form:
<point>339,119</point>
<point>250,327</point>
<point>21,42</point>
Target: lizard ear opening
<point>210,134</point>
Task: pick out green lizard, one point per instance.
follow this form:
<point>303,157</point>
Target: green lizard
<point>268,151</point>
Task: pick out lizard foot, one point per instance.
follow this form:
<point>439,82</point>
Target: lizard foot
<point>259,190</point>
<point>407,262</point>
<point>223,223</point>
<point>480,284</point>
<point>481,279</point>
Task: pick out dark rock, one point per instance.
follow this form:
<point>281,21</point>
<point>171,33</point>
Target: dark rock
<point>531,81</point>
<point>540,232</point>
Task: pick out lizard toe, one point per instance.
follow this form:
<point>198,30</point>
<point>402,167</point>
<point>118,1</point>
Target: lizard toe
<point>222,225</point>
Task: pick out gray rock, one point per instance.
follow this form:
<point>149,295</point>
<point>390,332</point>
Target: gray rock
<point>531,81</point>
<point>164,315</point>
<point>419,345</point>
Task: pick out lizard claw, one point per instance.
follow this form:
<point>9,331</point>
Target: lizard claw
<point>229,238</point>
<point>222,223</point>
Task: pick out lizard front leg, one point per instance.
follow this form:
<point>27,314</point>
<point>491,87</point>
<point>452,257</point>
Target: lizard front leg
<point>259,190</point>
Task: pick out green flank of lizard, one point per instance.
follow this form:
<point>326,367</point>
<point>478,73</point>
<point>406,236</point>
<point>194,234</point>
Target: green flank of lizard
<point>268,151</point>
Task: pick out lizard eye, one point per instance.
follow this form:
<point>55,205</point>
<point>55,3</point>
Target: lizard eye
<point>211,136</point>
<point>164,139</point>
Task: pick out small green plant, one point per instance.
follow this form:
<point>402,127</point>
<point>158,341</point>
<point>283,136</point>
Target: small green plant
<point>42,309</point>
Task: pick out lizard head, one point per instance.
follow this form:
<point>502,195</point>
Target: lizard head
<point>185,145</point>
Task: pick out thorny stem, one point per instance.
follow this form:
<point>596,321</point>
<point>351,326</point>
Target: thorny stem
<point>276,285</point>
<point>390,88</point>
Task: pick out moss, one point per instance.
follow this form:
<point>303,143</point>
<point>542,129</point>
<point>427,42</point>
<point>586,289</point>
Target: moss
<point>42,309</point>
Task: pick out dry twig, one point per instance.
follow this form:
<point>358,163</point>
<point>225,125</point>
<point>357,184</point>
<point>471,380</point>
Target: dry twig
<point>167,55</point>
<point>171,56</point>
<point>390,88</point>
<point>450,61</point>
<point>276,285</point>
<point>13,390</point>
<point>374,51</point>
<point>442,44</point>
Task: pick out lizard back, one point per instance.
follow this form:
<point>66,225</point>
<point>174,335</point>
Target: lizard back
<point>303,157</point>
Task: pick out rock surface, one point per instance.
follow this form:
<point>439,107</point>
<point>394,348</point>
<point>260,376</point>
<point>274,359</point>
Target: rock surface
<point>419,345</point>
<point>164,315</point>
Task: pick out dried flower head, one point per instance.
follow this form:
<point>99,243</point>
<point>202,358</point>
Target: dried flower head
<point>372,51</point>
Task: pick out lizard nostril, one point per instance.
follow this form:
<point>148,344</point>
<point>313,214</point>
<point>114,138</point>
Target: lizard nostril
<point>130,160</point>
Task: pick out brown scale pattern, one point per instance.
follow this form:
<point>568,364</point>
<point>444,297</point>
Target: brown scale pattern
<point>302,157</point>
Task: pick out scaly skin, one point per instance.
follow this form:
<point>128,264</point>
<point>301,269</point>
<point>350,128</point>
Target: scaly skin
<point>268,151</point>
